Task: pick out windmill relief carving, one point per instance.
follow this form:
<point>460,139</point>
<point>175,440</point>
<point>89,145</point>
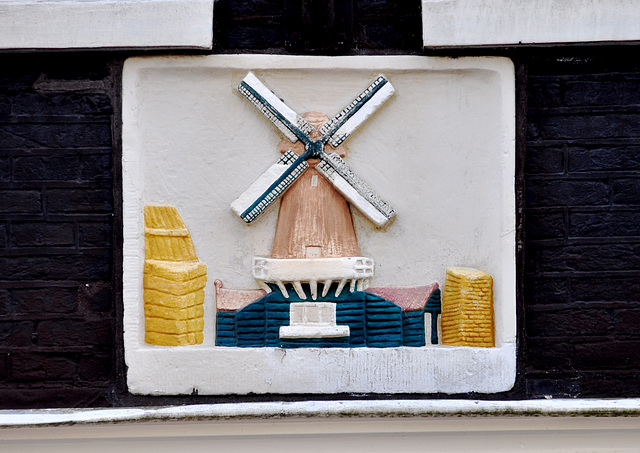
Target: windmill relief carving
<point>313,283</point>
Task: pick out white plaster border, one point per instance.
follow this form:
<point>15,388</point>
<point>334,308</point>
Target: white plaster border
<point>508,22</point>
<point>67,24</point>
<point>379,408</point>
<point>207,369</point>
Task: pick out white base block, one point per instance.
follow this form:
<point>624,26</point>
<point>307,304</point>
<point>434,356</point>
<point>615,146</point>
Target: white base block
<point>434,369</point>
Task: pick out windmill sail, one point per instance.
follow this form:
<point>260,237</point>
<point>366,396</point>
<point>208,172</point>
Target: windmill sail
<point>292,125</point>
<point>280,176</point>
<point>259,196</point>
<point>357,112</point>
<point>354,189</point>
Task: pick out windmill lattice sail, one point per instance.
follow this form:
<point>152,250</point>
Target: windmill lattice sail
<point>280,176</point>
<point>258,197</point>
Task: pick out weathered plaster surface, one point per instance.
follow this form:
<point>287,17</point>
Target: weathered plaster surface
<point>60,24</point>
<point>442,153</point>
<point>495,22</point>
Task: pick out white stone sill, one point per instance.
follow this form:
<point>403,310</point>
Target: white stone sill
<point>108,24</point>
<point>507,22</point>
<point>325,409</point>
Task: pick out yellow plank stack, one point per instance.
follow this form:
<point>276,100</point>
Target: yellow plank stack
<point>173,280</point>
<point>467,308</point>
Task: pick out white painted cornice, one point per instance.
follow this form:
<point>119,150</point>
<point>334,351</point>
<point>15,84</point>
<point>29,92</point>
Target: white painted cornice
<point>326,409</point>
<point>512,22</point>
<point>91,24</point>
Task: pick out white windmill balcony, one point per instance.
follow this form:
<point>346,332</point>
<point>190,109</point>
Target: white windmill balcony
<point>331,272</point>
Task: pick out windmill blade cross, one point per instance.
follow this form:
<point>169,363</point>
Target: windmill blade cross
<point>281,175</point>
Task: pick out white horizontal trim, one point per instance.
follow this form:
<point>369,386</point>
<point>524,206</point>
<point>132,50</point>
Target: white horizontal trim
<point>75,24</point>
<point>376,408</point>
<point>507,22</point>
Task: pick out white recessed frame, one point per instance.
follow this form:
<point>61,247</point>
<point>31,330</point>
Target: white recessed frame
<point>506,22</point>
<point>89,24</point>
<point>441,151</point>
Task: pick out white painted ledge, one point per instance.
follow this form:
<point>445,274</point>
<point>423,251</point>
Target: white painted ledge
<point>89,24</point>
<point>324,409</point>
<point>596,426</point>
<point>508,22</point>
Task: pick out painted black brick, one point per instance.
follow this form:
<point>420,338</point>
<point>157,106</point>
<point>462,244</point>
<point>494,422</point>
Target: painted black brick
<point>4,366</point>
<point>545,160</point>
<point>38,168</point>
<point>95,167</point>
<point>596,257</point>
<point>590,126</point>
<point>20,201</point>
<point>72,332</point>
<point>5,306</point>
<point>72,266</point>
<point>569,323</point>
<point>42,233</point>
<point>558,388</point>
<point>604,224</point>
<point>608,355</point>
<point>603,158</point>
<point>52,103</point>
<point>16,334</point>
<point>614,384</point>
<point>94,234</point>
<point>582,178</point>
<point>626,191</point>
<point>559,192</point>
<point>546,225</point>
<point>3,235</point>
<point>5,169</point>
<point>57,135</point>
<point>605,288</point>
<point>546,291</point>
<point>92,367</point>
<point>30,366</point>
<point>549,354</point>
<point>268,25</point>
<point>56,220</point>
<point>627,322</point>
<point>80,200</point>
<point>39,301</point>
<point>596,92</point>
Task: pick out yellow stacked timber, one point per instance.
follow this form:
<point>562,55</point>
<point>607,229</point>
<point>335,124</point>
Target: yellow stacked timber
<point>173,280</point>
<point>467,308</point>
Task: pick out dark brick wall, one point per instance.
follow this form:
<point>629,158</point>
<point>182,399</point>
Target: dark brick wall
<point>582,224</point>
<point>318,26</point>
<point>56,225</point>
